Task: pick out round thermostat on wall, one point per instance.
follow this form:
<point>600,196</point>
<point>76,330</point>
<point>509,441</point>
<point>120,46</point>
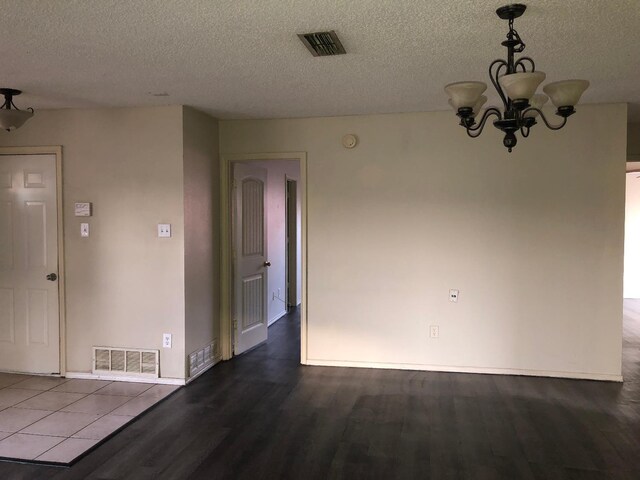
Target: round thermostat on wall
<point>349,141</point>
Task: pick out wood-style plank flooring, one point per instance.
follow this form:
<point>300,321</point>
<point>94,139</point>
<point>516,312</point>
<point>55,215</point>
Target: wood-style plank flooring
<point>263,416</point>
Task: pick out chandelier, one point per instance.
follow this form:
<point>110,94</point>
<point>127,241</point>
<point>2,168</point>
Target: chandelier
<point>11,117</point>
<point>516,82</point>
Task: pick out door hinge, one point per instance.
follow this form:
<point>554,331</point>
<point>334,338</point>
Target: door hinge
<point>234,336</point>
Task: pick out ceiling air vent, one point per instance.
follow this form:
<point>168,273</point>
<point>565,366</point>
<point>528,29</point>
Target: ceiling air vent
<point>322,44</point>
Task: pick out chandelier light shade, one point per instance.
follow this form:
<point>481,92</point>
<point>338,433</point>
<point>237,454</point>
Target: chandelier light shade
<point>11,117</point>
<point>516,82</point>
<point>537,102</point>
<point>566,92</point>
<point>465,94</point>
<point>477,108</point>
<point>521,86</point>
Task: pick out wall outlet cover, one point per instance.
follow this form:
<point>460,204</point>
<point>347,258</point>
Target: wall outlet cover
<point>166,340</point>
<point>164,230</point>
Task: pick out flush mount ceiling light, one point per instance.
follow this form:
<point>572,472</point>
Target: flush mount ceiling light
<point>11,117</point>
<point>516,82</point>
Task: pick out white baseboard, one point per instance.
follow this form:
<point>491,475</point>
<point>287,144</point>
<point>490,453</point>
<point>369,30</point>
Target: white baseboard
<point>13,372</point>
<point>126,378</point>
<point>457,369</point>
<point>276,318</point>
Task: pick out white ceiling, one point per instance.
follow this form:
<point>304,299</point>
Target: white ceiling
<point>242,59</point>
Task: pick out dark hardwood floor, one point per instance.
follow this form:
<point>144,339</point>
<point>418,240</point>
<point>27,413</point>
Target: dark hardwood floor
<point>263,416</point>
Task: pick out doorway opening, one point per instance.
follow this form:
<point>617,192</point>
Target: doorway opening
<point>631,281</point>
<point>632,234</point>
<point>264,247</point>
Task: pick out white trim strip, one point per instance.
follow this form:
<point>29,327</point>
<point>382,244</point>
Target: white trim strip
<point>456,369</point>
<point>276,318</point>
<point>126,378</point>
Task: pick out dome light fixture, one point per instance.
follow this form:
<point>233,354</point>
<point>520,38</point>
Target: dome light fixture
<point>11,117</point>
<point>516,82</point>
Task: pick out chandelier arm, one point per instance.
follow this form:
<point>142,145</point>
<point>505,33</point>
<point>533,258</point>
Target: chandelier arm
<point>480,125</point>
<point>521,61</point>
<point>494,79</point>
<point>525,131</point>
<point>544,119</point>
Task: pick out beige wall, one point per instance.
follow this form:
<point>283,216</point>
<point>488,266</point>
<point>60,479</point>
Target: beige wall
<point>124,286</point>
<point>533,240</point>
<point>201,229</point>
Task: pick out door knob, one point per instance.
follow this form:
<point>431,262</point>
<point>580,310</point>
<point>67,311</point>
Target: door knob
<point>267,264</point>
<point>52,277</point>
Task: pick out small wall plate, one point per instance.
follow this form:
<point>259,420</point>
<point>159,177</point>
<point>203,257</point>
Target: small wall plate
<point>349,141</point>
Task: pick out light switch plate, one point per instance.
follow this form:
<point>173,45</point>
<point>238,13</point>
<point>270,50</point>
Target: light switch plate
<point>164,230</point>
<point>84,229</point>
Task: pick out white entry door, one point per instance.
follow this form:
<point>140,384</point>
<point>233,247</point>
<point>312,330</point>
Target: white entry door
<point>29,316</point>
<point>250,257</point>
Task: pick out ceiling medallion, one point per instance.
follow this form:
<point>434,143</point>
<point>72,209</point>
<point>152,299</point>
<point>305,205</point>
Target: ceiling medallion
<point>516,82</point>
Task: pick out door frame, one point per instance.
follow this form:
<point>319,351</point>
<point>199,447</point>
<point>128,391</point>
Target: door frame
<point>62,319</point>
<point>226,261</point>
<point>287,258</point>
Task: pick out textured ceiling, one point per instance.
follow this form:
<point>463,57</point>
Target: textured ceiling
<point>242,59</point>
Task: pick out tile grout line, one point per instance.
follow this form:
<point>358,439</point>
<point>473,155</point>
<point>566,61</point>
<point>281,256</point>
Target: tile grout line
<point>102,416</point>
<point>64,438</point>
<point>46,416</point>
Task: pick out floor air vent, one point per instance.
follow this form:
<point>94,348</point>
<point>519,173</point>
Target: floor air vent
<point>322,44</point>
<point>201,359</point>
<point>108,361</point>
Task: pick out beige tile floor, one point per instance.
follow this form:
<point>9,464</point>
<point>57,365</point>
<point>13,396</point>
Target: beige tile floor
<point>56,419</point>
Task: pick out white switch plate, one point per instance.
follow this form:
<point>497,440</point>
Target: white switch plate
<point>166,340</point>
<point>434,331</point>
<point>164,230</point>
<point>84,229</point>
<point>453,295</point>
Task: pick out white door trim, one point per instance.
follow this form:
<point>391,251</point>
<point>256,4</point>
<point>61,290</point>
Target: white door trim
<point>226,268</point>
<point>57,151</point>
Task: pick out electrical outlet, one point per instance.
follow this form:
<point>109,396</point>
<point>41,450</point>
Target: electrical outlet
<point>164,230</point>
<point>166,340</point>
<point>434,331</point>
<point>453,295</point>
<point>84,230</point>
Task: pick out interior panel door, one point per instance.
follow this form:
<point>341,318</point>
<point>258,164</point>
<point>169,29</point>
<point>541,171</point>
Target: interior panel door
<point>250,256</point>
<point>29,314</point>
